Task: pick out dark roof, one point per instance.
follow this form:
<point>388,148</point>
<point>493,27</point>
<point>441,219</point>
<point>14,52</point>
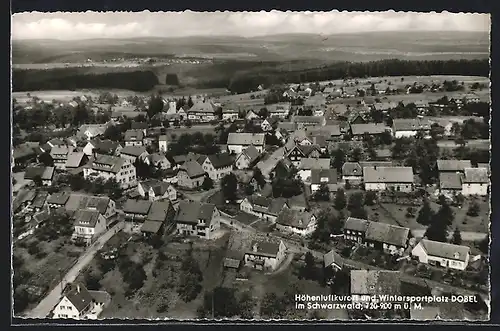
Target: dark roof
<point>332,257</point>
<point>104,146</point>
<point>327,176</point>
<point>388,175</point>
<point>264,248</point>
<point>371,128</point>
<point>386,233</point>
<point>137,207</point>
<point>308,119</point>
<point>445,250</point>
<point>192,211</point>
<point>158,210</point>
<point>79,297</point>
<point>251,152</point>
<point>294,218</point>
<point>410,124</point>
<point>307,163</point>
<point>356,224</point>
<point>107,163</point>
<point>86,217</point>
<point>139,125</point>
<point>221,160</point>
<point>193,169</point>
<point>476,175</point>
<point>133,150</point>
<point>450,181</point>
<point>352,169</point>
<point>40,199</point>
<point>134,135</point>
<point>453,165</point>
<point>151,226</point>
<point>78,201</point>
<point>246,139</point>
<point>74,159</point>
<point>59,198</point>
<point>22,197</point>
<point>45,173</point>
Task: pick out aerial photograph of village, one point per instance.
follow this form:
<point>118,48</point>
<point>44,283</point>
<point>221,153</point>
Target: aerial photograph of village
<point>250,166</point>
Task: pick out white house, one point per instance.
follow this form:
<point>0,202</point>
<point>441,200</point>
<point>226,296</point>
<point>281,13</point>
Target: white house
<point>247,158</point>
<point>163,143</point>
<point>155,190</point>
<point>89,224</point>
<point>134,137</point>
<point>106,167</point>
<point>280,110</point>
<point>104,205</point>
<point>475,181</point>
<point>308,164</point>
<point>442,254</point>
<point>132,153</point>
<point>262,207</point>
<point>302,223</point>
<point>236,142</point>
<point>216,165</point>
<point>102,147</point>
<point>194,218</point>
<point>60,156</point>
<point>230,114</point>
<point>80,304</point>
<point>265,255</point>
<point>404,127</point>
<point>159,161</point>
<point>384,178</point>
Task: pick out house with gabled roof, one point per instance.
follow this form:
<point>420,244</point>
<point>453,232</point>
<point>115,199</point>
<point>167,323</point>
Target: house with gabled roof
<point>296,153</point>
<point>217,165</point>
<point>279,110</point>
<point>333,260</point>
<point>76,160</point>
<point>237,141</point>
<point>80,304</point>
<point>450,183</point>
<point>136,210</point>
<point>442,254</point>
<point>159,161</point>
<point>107,167</point>
<point>56,142</point>
<point>475,181</point>
<point>262,207</point>
<point>134,138</point>
<point>302,122</point>
<point>199,219</point>
<point>247,158</point>
<point>409,127</point>
<point>309,163</point>
<point>57,200</point>
<point>190,175</point>
<point>99,146</point>
<point>160,217</point>
<point>453,166</point>
<point>153,190</point>
<point>60,156</point>
<point>293,221</point>
<point>89,224</point>
<point>203,111</point>
<point>132,153</point>
<point>104,205</point>
<point>373,129</point>
<point>269,124</point>
<point>326,177</point>
<point>46,174</point>
<point>264,255</point>
<point>387,178</point>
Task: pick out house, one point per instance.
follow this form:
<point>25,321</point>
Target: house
<point>230,114</point>
<point>217,165</point>
<point>262,207</point>
<point>307,164</point>
<point>104,205</point>
<point>89,131</point>
<point>159,161</point>
<point>57,200</point>
<point>404,127</point>
<point>298,137</point>
<point>38,202</point>
<point>388,238</point>
<point>107,167</point>
<point>132,153</point>
<point>453,166</point>
<point>352,172</point>
<point>331,132</point>
<point>163,143</point>
<point>56,142</point>
<point>359,130</point>
<point>302,223</point>
<point>385,178</point>
<point>265,255</point>
<point>75,160</point>
<point>23,200</point>
<point>286,126</point>
<point>324,176</point>
<point>75,304</point>
<point>333,260</point>
<point>232,259</point>
<point>194,218</point>
<point>157,190</point>
<point>202,112</point>
<point>442,254</point>
<point>279,110</point>
<point>374,283</point>
<point>269,163</point>
<point>247,158</point>
<point>475,181</point>
<point>136,209</point>
<point>190,175</point>
<point>89,224</point>
<point>251,115</point>
<point>245,178</point>
<point>60,156</point>
<point>298,203</point>
<point>134,138</point>
<point>308,121</point>
<point>269,124</point>
<point>160,217</point>
<point>450,183</point>
<point>24,153</point>
<point>143,126</point>
<point>46,174</point>
<point>236,141</point>
<point>296,153</point>
<point>99,146</point>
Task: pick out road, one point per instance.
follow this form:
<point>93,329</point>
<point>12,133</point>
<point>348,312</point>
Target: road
<point>294,248</point>
<point>48,303</point>
<point>477,143</point>
<point>466,235</point>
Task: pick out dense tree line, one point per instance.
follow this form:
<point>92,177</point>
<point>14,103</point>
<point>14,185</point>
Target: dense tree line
<point>341,70</point>
<point>64,79</point>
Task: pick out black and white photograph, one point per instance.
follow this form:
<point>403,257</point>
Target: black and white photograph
<point>192,166</point>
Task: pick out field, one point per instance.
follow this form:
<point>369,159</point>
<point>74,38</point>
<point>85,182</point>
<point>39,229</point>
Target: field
<point>47,263</point>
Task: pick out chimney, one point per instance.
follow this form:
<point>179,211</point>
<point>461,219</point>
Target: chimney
<point>255,247</point>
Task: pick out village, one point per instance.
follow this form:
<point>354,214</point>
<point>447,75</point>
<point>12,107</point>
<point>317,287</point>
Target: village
<point>228,205</point>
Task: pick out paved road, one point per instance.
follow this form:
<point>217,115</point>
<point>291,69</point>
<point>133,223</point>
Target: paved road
<point>48,303</point>
<point>466,235</point>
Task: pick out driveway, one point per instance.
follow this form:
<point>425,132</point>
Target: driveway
<point>52,299</point>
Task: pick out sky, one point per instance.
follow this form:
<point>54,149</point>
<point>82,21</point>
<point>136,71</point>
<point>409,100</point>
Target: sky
<point>89,25</point>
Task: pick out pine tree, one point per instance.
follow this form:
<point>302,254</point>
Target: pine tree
<point>425,214</point>
<point>457,237</point>
<point>340,200</point>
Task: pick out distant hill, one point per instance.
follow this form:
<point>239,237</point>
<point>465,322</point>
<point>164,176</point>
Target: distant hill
<point>341,47</point>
